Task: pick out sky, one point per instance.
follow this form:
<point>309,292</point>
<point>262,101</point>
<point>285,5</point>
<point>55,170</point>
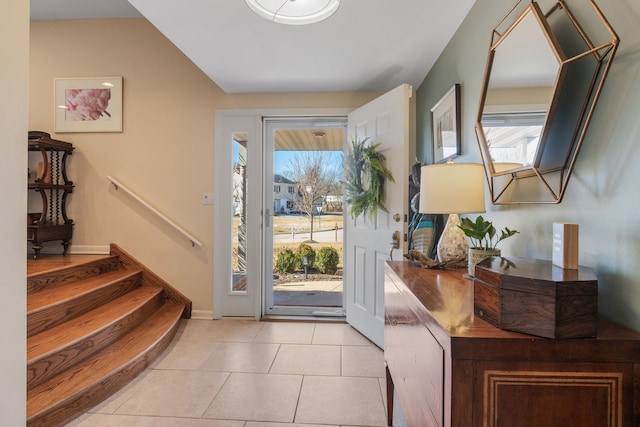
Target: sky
<point>282,159</point>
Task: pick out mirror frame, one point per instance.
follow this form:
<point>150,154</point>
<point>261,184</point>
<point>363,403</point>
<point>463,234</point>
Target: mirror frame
<point>561,137</point>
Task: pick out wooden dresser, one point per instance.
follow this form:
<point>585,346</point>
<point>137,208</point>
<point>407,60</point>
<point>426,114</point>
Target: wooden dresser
<point>451,369</point>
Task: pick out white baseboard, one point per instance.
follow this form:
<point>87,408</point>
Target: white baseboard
<point>202,314</point>
<point>74,249</point>
<point>89,250</point>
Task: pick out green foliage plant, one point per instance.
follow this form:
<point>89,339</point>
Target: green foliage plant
<point>366,160</point>
<point>482,234</point>
<point>286,262</point>
<point>303,250</point>
<point>327,260</point>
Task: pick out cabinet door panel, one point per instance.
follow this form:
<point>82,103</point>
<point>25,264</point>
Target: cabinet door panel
<point>562,395</point>
<point>416,362</point>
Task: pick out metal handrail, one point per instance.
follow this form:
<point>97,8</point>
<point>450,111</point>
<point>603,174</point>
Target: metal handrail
<point>118,185</point>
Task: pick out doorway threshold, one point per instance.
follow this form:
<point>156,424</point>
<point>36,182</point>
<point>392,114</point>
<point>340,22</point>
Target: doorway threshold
<point>303,319</point>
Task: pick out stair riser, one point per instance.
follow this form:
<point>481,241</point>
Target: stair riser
<point>51,316</point>
<point>42,281</point>
<point>95,393</point>
<point>49,365</point>
<point>149,277</point>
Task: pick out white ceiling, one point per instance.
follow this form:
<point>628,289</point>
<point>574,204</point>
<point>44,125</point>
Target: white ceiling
<point>81,9</point>
<point>367,45</point>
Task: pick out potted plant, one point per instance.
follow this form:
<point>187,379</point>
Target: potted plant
<point>483,239</point>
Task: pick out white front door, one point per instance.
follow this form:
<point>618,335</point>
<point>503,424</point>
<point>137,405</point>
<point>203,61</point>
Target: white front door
<point>368,244</point>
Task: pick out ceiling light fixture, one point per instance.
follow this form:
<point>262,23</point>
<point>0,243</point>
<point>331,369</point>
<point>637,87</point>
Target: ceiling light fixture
<point>294,12</point>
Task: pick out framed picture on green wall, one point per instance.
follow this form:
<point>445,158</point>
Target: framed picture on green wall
<point>445,126</point>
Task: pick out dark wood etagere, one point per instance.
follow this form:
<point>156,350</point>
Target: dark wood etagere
<point>53,186</point>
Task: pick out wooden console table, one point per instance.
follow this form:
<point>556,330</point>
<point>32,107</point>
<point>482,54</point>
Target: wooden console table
<point>451,369</point>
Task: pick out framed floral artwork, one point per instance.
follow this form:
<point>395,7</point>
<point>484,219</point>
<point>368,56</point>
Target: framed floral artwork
<point>445,126</point>
<point>88,104</point>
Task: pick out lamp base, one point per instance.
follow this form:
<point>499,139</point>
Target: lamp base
<point>453,243</point>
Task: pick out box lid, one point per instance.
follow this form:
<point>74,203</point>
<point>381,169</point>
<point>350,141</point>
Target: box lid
<point>536,276</point>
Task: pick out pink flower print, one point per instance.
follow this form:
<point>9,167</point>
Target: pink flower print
<point>87,104</point>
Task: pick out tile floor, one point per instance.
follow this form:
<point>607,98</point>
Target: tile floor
<point>242,373</point>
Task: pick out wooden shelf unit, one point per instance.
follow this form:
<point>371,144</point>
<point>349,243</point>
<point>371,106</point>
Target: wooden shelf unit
<point>53,186</point>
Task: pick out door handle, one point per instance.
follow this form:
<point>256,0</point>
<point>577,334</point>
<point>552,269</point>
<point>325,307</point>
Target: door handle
<point>267,218</point>
<point>395,243</point>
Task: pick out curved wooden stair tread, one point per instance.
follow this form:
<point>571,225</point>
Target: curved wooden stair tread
<point>93,323</point>
<point>97,377</point>
<point>39,280</point>
<point>60,347</point>
<point>53,306</point>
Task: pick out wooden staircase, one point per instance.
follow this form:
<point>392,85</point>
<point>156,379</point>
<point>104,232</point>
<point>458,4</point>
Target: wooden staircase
<point>91,328</point>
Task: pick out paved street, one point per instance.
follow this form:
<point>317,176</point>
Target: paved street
<point>318,236</point>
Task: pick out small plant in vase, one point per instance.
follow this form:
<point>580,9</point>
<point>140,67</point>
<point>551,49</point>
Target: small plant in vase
<point>483,239</point>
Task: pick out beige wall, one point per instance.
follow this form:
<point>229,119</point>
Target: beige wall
<point>165,153</point>
<point>14,69</point>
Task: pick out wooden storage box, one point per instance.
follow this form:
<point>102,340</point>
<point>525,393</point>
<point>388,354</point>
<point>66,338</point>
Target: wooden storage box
<point>536,297</point>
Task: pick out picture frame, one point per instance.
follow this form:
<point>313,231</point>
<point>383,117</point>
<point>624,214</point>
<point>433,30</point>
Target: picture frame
<point>88,104</point>
<point>446,127</point>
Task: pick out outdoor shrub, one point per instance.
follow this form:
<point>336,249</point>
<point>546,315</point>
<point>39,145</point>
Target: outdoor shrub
<point>327,260</point>
<point>286,262</point>
<point>307,250</point>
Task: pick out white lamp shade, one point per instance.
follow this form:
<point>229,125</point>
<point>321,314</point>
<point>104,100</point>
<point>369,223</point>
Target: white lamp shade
<point>294,12</point>
<point>448,188</point>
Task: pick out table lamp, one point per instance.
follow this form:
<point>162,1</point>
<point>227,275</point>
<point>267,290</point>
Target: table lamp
<point>452,188</point>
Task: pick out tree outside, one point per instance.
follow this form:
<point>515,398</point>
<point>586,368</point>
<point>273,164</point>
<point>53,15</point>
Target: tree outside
<point>316,178</point>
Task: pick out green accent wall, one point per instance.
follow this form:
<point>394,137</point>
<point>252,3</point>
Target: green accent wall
<point>603,195</point>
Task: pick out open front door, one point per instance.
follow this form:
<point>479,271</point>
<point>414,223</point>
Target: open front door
<point>368,244</point>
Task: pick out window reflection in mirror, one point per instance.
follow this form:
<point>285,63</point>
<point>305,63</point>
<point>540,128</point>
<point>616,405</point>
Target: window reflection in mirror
<point>513,137</point>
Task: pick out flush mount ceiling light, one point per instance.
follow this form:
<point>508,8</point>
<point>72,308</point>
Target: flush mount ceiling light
<point>294,12</point>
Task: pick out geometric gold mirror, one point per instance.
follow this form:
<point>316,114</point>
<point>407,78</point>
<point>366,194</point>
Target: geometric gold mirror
<point>542,81</point>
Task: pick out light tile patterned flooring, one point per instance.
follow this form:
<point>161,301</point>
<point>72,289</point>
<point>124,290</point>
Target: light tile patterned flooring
<point>242,373</point>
